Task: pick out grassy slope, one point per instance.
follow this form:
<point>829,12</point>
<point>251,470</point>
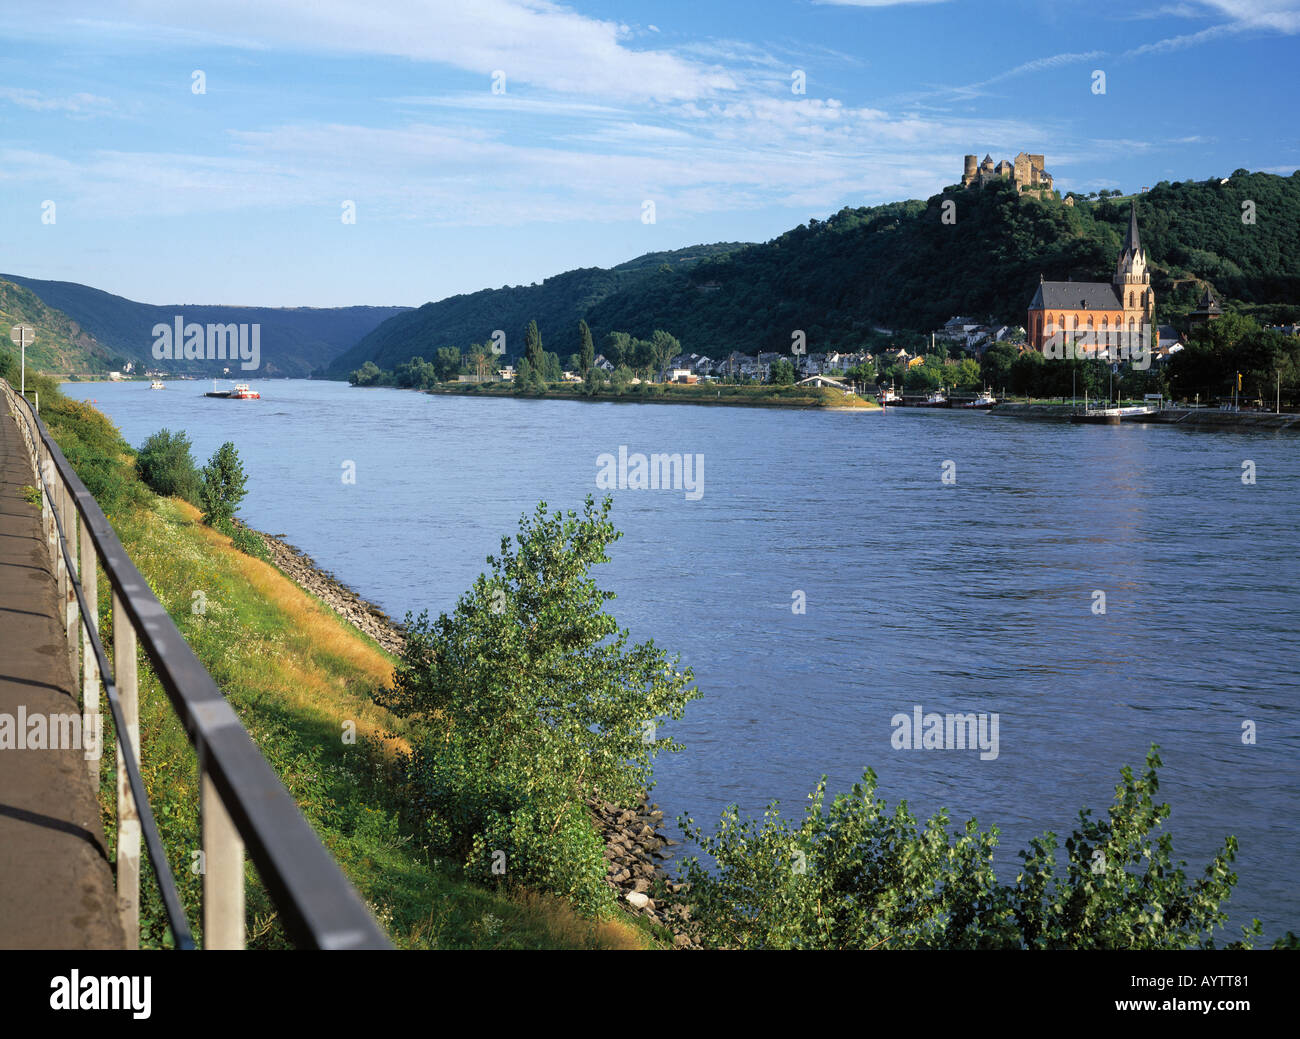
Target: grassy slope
<point>294,673</point>
<point>61,344</point>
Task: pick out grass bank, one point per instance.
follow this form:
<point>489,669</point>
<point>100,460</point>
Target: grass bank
<point>300,680</point>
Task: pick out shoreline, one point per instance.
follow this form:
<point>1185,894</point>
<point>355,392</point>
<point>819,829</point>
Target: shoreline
<point>795,404</point>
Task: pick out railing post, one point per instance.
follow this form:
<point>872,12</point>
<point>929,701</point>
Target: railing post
<point>128,818</point>
<point>223,872</point>
<point>90,721</point>
<point>71,609</point>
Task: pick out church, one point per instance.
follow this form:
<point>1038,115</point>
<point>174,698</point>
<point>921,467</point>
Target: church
<point>1097,314</point>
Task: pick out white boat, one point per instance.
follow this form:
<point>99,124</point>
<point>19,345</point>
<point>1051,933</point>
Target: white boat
<point>889,397</point>
<point>984,400</point>
<point>157,384</point>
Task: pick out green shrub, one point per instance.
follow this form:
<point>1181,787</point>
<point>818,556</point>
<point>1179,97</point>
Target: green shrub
<point>243,538</point>
<point>167,465</point>
<point>532,700</point>
<point>859,877</point>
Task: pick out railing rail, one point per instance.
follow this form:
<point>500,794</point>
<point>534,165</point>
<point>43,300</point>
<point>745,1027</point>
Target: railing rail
<point>242,803</point>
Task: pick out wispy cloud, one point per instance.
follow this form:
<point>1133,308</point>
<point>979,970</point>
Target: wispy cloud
<point>74,104</point>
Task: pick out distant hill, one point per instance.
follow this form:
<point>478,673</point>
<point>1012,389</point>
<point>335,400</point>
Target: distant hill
<point>556,304</point>
<point>897,266</point>
<point>61,346</point>
<point>295,341</point>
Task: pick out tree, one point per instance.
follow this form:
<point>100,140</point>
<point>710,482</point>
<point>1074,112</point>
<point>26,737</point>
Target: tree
<point>995,367</point>
<point>529,700</point>
<point>664,347</point>
<point>446,363</point>
<point>618,348</point>
<point>781,373</point>
<point>223,486</point>
<point>367,375</point>
<point>586,349</point>
<point>965,372</point>
<point>533,346</point>
<point>167,465</point>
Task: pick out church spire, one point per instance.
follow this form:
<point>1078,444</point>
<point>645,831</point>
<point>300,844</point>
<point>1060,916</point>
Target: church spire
<point>1133,243</point>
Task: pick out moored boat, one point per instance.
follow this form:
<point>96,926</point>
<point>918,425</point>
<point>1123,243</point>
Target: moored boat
<point>984,401</point>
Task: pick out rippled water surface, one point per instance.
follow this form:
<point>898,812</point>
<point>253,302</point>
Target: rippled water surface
<point>975,596</point>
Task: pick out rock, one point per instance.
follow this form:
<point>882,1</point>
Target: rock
<point>681,941</point>
<point>637,899</point>
<point>641,884</point>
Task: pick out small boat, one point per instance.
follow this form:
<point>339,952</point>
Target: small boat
<point>889,397</point>
<point>157,384</point>
<point>935,400</point>
<point>984,401</point>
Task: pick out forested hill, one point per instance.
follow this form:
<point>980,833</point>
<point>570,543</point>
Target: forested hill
<point>295,341</point>
<point>556,304</point>
<point>61,345</point>
<point>898,266</point>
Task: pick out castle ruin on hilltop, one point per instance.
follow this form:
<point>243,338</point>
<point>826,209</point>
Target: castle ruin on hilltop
<point>1026,173</point>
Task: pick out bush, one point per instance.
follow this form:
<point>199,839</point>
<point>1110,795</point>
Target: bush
<point>859,877</point>
<point>244,538</point>
<point>532,701</point>
<point>166,465</point>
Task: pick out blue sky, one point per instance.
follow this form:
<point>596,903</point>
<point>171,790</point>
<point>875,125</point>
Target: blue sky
<point>235,195</point>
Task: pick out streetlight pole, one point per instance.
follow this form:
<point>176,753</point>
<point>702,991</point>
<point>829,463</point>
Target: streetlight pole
<point>23,336</point>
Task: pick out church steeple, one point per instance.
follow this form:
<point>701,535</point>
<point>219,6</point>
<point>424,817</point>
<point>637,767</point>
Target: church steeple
<point>1133,243</point>
<point>1131,267</point>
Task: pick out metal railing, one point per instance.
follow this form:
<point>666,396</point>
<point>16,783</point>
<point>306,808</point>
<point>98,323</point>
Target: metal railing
<point>242,803</point>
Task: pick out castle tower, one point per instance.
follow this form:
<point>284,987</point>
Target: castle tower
<point>968,175</point>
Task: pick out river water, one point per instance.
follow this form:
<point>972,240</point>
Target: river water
<point>977,595</point>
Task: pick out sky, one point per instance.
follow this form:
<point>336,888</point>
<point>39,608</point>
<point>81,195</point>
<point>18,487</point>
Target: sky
<point>213,151</point>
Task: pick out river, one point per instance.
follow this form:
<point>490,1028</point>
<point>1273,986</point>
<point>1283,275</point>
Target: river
<point>975,595</point>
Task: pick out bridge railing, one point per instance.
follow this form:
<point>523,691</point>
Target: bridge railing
<point>243,806</point>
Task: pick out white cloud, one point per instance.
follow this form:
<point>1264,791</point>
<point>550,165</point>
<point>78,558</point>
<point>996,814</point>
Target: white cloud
<point>535,42</point>
<point>36,101</point>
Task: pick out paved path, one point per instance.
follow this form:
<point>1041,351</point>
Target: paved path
<point>56,885</point>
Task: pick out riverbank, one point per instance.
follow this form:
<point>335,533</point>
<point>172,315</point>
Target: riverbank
<point>798,397</point>
<point>1196,418</point>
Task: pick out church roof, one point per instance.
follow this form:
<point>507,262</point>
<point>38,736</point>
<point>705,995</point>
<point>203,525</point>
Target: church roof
<point>1075,295</point>
<point>1207,304</point>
